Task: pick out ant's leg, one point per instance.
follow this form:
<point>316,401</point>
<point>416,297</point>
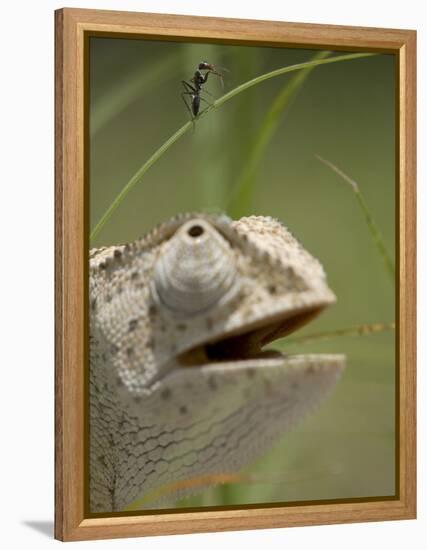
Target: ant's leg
<point>209,94</point>
<point>188,106</point>
<point>189,89</point>
<point>209,104</point>
<point>188,86</point>
<point>186,103</point>
<point>205,78</point>
<point>205,100</point>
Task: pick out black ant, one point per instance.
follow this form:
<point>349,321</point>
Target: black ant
<point>194,87</point>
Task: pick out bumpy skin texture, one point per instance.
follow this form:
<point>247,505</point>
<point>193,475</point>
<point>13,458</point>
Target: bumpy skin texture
<point>179,386</point>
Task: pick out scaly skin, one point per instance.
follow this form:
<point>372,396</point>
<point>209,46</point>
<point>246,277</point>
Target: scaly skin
<point>179,386</point>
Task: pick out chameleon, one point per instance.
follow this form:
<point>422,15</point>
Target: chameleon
<point>180,385</point>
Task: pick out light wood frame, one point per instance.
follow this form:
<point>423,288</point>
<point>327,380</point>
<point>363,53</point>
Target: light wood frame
<point>72,26</point>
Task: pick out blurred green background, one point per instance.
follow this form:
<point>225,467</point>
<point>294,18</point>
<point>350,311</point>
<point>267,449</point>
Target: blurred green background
<point>345,112</point>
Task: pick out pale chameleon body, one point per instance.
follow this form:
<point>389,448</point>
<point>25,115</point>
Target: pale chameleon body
<point>180,391</point>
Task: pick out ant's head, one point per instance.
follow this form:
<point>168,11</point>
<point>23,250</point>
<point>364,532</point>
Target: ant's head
<point>205,66</point>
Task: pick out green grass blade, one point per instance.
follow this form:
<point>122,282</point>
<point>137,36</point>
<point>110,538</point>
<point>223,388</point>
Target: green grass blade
<point>360,330</point>
<point>179,133</point>
<point>137,177</point>
<point>240,199</point>
<point>373,229</point>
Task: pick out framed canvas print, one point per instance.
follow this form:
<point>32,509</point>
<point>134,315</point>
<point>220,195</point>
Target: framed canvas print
<point>235,274</point>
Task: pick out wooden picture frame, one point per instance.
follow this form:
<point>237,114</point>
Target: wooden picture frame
<point>72,27</point>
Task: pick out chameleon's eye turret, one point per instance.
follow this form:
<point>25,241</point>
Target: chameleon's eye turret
<point>195,270</point>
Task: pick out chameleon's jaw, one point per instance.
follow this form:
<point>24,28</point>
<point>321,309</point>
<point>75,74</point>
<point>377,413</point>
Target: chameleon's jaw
<point>247,343</point>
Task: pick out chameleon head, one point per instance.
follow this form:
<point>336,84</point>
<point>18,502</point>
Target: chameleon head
<point>199,300</point>
<point>222,290</point>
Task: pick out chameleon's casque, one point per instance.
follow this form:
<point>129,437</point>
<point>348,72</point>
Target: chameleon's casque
<point>181,389</point>
<point>195,270</point>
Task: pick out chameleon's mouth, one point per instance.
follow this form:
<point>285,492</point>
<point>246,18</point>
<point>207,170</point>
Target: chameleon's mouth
<point>248,343</point>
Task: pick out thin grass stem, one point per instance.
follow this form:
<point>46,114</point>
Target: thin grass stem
<point>359,330</point>
<point>373,229</point>
<point>223,99</point>
<point>226,479</point>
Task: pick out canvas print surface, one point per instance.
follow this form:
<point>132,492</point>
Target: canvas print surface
<point>241,275</point>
